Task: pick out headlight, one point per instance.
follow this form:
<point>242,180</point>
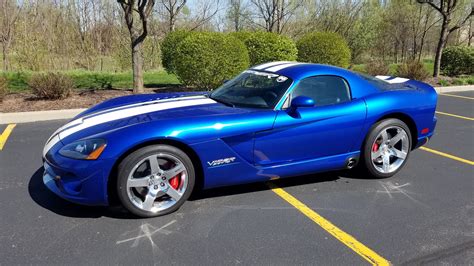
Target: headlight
<point>89,149</point>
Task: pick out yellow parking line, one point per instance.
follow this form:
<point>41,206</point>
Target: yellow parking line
<point>457,96</point>
<point>447,155</point>
<point>6,133</point>
<point>342,236</point>
<point>458,116</point>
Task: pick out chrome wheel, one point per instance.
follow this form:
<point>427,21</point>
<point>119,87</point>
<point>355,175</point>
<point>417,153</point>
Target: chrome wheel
<point>390,149</point>
<point>157,182</point>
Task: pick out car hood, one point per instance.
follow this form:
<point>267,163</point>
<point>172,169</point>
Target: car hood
<point>134,100</point>
<point>130,110</point>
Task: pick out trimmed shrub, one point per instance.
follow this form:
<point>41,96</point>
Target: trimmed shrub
<point>51,85</point>
<point>324,48</point>
<point>267,46</point>
<point>457,60</point>
<point>412,70</point>
<point>3,87</point>
<point>243,36</point>
<point>168,48</point>
<point>377,67</point>
<point>206,59</point>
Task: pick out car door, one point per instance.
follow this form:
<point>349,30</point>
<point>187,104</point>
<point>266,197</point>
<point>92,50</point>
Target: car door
<point>329,128</point>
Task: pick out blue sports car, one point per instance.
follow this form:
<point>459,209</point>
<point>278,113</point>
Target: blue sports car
<point>274,120</point>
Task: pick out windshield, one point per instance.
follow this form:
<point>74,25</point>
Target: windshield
<point>252,89</point>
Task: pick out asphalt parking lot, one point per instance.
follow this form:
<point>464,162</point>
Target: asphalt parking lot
<point>423,215</point>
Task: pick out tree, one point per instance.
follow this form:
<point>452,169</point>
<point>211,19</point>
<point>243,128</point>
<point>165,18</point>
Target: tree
<point>237,12</point>
<point>446,9</point>
<point>136,14</point>
<point>9,16</point>
<point>173,7</point>
<point>275,13</point>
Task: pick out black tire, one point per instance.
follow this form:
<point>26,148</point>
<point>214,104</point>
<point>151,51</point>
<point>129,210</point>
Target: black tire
<point>366,165</point>
<point>127,165</point>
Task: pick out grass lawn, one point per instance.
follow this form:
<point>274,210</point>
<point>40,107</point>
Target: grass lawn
<point>18,81</point>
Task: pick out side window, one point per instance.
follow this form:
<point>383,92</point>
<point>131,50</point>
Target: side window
<point>324,90</point>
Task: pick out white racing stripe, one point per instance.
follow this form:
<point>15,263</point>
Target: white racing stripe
<point>146,103</point>
<point>51,142</point>
<point>262,66</point>
<point>79,120</point>
<point>280,67</point>
<point>383,77</point>
<point>396,80</point>
<point>86,122</point>
<point>393,80</point>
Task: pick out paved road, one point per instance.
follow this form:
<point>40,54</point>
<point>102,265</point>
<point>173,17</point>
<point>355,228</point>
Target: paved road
<point>424,214</point>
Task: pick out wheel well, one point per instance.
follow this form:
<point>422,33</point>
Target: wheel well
<point>112,180</point>
<point>407,120</point>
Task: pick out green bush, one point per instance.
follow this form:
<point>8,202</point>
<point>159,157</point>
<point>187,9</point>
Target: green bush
<point>412,70</point>
<point>443,82</point>
<point>242,35</point>
<point>457,60</point>
<point>324,48</point>
<point>470,81</point>
<point>3,88</point>
<point>459,82</point>
<point>51,85</point>
<point>206,59</point>
<point>266,46</point>
<point>377,67</point>
<point>168,49</point>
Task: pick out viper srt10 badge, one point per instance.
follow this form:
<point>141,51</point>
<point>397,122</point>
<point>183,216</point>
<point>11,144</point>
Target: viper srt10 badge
<point>221,161</point>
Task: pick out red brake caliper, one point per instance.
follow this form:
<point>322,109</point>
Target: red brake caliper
<point>175,180</point>
<point>375,147</point>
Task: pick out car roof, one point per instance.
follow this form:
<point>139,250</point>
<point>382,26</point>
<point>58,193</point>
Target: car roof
<point>298,70</point>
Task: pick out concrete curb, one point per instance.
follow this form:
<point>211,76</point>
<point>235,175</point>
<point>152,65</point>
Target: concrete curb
<point>454,88</point>
<point>25,117</point>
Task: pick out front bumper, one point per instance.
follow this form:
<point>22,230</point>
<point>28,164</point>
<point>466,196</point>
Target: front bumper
<point>78,181</point>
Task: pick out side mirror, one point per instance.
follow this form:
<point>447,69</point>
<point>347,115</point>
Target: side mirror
<point>301,101</point>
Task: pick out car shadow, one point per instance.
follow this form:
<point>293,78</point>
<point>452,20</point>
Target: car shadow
<point>262,186</point>
<point>332,176</point>
<point>48,200</point>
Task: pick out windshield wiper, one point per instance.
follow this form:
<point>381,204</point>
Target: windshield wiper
<point>222,101</point>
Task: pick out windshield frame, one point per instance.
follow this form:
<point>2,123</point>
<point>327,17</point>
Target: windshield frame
<point>262,73</point>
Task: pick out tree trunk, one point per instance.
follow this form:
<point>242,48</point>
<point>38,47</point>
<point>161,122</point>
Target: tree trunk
<point>439,49</point>
<point>171,26</point>
<point>137,64</point>
<point>5,58</point>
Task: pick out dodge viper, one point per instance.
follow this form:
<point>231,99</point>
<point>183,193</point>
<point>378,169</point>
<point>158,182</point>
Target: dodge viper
<point>274,120</point>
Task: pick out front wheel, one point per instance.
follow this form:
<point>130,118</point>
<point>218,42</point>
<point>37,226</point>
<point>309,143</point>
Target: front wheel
<point>155,180</point>
<point>386,148</point>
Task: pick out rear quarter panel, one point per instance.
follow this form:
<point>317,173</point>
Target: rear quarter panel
<point>419,104</point>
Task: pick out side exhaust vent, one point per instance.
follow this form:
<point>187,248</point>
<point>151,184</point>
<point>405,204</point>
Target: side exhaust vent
<point>351,163</point>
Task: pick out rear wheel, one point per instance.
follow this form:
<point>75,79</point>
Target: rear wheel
<point>386,148</point>
<point>155,180</point>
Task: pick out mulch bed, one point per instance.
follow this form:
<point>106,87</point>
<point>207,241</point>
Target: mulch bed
<point>26,102</point>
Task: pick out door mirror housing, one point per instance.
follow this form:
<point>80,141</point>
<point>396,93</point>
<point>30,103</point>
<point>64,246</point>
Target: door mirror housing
<point>301,101</point>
